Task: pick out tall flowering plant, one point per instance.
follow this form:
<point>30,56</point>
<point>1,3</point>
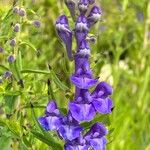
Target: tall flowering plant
<point>86,104</point>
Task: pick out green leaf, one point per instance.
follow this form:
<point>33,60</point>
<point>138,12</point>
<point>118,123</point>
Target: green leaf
<point>4,142</point>
<point>57,81</point>
<point>29,44</point>
<point>34,71</point>
<point>48,141</point>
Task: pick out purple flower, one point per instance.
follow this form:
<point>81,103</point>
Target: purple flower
<point>70,128</point>
<point>102,90</point>
<point>102,103</point>
<point>83,5</point>
<point>95,137</point>
<point>82,112</point>
<point>53,119</point>
<point>94,16</point>
<point>37,23</point>
<point>65,34</point>
<point>22,12</point>
<point>11,58</point>
<point>13,42</point>
<point>17,27</point>
<point>77,144</point>
<point>81,29</point>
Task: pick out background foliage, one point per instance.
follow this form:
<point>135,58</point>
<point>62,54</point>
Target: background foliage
<point>121,56</point>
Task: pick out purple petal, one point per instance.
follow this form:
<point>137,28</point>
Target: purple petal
<point>83,82</point>
<point>76,147</point>
<point>82,112</point>
<point>51,106</point>
<point>103,106</point>
<point>50,123</point>
<point>98,143</point>
<point>102,90</point>
<point>96,128</point>
<point>69,132</point>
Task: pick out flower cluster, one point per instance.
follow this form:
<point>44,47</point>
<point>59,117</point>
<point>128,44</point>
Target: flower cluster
<point>85,104</point>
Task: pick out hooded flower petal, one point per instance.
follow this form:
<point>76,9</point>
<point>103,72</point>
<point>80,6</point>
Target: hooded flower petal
<point>102,90</point>
<point>50,122</point>
<point>76,147</point>
<point>82,112</point>
<point>98,130</point>
<point>70,132</point>
<point>103,106</point>
<point>98,143</point>
<point>83,82</point>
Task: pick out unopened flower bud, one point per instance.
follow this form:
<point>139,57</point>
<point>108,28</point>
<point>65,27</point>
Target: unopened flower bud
<point>71,5</point>
<point>16,10</point>
<point>7,74</point>
<point>1,50</point>
<point>37,23</point>
<point>11,58</point>
<point>83,5</point>
<point>17,27</point>
<point>94,15</point>
<point>91,2</point>
<point>13,42</point>
<point>22,12</point>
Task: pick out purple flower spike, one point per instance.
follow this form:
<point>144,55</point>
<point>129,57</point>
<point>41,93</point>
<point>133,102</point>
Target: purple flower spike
<point>71,6</point>
<point>65,34</point>
<point>94,16</point>
<point>83,5</point>
<point>81,29</point>
<point>96,136</point>
<point>102,90</point>
<point>53,119</point>
<point>82,112</point>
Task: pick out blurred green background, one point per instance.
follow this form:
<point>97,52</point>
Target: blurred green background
<point>121,56</point>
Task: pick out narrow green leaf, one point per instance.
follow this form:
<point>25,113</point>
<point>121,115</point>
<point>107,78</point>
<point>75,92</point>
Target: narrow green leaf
<point>29,44</point>
<point>57,81</point>
<point>34,71</point>
<point>48,141</point>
